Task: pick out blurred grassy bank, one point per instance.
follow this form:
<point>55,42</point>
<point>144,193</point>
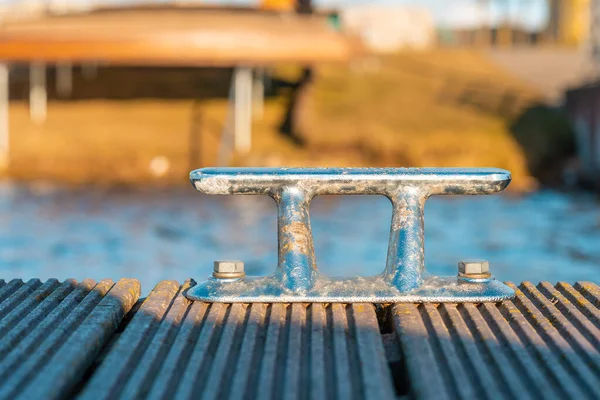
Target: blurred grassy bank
<point>438,108</point>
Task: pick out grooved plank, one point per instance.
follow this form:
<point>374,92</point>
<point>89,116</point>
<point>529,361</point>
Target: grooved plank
<point>179,355</point>
<point>572,320</point>
<point>109,378</point>
<point>510,370</point>
<point>202,352</point>
<point>9,288</point>
<point>293,359</point>
<point>542,344</point>
<point>515,347</point>
<point>340,337</point>
<point>476,365</point>
<point>269,364</point>
<point>234,351</point>
<point>12,331</point>
<point>424,371</point>
<point>217,380</point>
<point>25,370</point>
<point>141,377</point>
<point>23,308</point>
<point>460,375</point>
<point>571,358</point>
<point>376,377</point>
<point>15,298</point>
<point>63,327</point>
<point>244,370</point>
<point>11,354</point>
<point>591,291</point>
<point>83,345</point>
<point>581,302</point>
<point>318,355</point>
<point>548,360</point>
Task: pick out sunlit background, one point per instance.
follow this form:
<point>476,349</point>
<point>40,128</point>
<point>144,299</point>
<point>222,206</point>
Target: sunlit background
<point>105,107</point>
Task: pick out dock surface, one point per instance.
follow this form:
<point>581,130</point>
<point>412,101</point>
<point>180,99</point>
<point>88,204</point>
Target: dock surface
<point>98,340</point>
<point>174,36</point>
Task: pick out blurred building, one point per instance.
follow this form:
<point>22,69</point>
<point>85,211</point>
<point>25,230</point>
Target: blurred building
<point>569,21</point>
<point>27,9</point>
<point>594,39</point>
<point>389,28</point>
<point>583,106</point>
<point>497,36</point>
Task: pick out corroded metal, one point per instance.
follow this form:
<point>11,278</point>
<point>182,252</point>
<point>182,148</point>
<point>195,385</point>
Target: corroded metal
<point>404,278</point>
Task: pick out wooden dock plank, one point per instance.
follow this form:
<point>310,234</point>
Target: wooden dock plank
<point>49,352</point>
<point>7,289</point>
<point>110,378</point>
<point>232,351</point>
<point>375,375</point>
<point>542,344</point>
<point>170,36</point>
<point>15,298</point>
<point>559,341</point>
<point>245,370</point>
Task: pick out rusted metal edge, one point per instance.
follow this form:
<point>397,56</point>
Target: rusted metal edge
<point>51,332</point>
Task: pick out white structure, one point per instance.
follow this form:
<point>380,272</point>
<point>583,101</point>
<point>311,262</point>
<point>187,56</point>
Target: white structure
<point>390,28</point>
<point>38,96</point>
<point>237,131</point>
<point>242,115</point>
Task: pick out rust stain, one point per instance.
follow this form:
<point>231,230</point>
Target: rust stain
<point>301,237</point>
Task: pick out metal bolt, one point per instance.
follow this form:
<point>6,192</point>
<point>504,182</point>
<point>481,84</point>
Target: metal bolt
<point>474,268</point>
<point>229,269</point>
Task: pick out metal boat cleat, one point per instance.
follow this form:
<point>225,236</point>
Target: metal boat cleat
<point>297,279</point>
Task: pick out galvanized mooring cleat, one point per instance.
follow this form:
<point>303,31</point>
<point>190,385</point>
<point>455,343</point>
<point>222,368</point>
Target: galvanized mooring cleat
<point>404,279</point>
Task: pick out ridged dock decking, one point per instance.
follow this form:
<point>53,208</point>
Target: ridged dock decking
<point>88,340</point>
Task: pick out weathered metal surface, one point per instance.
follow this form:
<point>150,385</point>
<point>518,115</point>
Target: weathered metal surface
<point>51,332</point>
<point>543,344</point>
<point>175,348</point>
<point>404,278</point>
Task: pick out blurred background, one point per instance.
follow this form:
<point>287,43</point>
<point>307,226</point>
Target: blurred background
<point>105,107</point>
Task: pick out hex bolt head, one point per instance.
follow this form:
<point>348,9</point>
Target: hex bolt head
<point>229,269</point>
<point>474,268</point>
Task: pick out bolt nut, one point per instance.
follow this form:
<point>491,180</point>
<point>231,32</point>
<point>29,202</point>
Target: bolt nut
<point>229,269</point>
<point>474,268</point>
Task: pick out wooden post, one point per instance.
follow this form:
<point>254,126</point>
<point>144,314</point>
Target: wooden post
<point>37,92</point>
<point>258,93</point>
<point>64,79</point>
<point>242,124</point>
<point>89,70</point>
